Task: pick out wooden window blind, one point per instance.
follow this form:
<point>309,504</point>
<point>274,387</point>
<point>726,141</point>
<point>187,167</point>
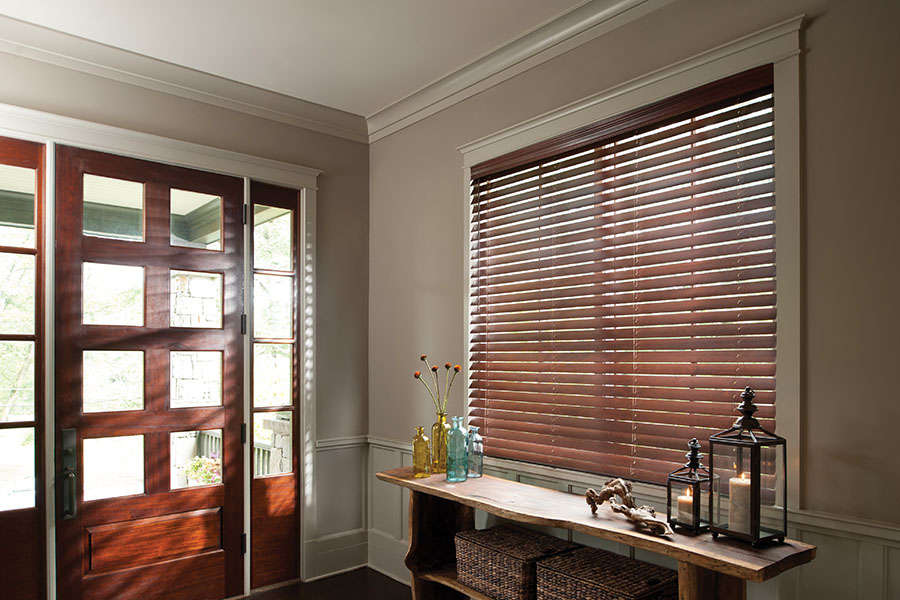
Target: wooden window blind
<point>623,284</point>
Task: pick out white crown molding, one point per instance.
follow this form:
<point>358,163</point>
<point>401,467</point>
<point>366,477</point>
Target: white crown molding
<point>78,54</point>
<point>43,127</point>
<point>769,45</point>
<point>580,25</point>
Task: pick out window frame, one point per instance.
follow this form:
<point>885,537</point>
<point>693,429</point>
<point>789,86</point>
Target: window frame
<point>778,45</point>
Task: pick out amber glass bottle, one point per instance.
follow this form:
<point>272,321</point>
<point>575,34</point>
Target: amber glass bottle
<point>421,454</point>
<point>439,444</point>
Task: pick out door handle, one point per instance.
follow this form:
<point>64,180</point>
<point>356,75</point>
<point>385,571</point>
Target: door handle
<point>69,473</point>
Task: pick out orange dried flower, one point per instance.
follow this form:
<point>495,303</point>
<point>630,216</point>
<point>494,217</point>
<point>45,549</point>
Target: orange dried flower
<point>447,365</point>
<point>423,357</point>
<point>417,374</point>
<point>434,368</point>
<point>457,368</point>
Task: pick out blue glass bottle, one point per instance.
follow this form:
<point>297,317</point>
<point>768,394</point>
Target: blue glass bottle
<point>475,451</point>
<point>457,461</point>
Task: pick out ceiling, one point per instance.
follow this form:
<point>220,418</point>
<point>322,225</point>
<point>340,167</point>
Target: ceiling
<point>359,56</point>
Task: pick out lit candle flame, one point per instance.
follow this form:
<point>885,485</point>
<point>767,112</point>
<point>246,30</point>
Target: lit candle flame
<point>688,492</point>
<point>744,475</point>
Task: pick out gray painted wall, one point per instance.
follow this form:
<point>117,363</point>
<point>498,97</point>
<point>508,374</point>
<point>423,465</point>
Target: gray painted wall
<point>850,87</point>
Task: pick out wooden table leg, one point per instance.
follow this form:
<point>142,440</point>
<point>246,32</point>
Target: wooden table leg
<point>697,583</point>
<point>433,523</point>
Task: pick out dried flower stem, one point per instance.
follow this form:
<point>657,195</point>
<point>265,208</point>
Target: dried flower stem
<point>449,385</point>
<point>430,393</point>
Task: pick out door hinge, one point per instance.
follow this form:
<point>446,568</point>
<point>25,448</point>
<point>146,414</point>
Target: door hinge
<point>246,207</point>
<point>243,543</point>
<point>243,433</point>
<point>244,324</point>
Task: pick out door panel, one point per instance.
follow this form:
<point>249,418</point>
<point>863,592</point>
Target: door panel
<point>159,478</point>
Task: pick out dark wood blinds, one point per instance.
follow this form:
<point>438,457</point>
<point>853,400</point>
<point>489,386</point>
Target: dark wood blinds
<point>623,284</point>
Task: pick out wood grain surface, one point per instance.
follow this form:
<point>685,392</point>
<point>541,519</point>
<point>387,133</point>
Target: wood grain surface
<point>552,508</point>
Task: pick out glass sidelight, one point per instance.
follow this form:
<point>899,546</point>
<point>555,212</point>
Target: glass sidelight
<point>273,333</point>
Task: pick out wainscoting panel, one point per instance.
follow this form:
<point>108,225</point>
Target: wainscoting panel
<point>855,560</point>
<point>341,540</point>
<point>892,573</point>
<point>340,498</point>
<point>388,507</point>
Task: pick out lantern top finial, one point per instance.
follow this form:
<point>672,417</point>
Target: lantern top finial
<point>747,408</point>
<point>694,455</point>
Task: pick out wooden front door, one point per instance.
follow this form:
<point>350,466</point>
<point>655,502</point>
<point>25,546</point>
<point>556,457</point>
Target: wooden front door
<point>149,380</point>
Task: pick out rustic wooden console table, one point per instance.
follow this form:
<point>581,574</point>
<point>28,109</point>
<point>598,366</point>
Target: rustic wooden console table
<point>707,568</point>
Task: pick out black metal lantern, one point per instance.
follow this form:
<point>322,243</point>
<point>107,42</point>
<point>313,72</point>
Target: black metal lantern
<point>688,492</point>
<point>748,499</point>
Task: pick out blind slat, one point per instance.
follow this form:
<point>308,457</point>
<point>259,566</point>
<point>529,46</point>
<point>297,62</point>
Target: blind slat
<point>623,290</point>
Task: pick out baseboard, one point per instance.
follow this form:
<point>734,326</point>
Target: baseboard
<point>386,554</point>
<point>336,554</point>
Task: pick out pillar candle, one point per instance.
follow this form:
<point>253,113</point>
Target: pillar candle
<point>686,508</point>
<point>739,504</point>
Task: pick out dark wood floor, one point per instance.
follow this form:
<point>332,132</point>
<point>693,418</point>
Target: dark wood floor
<point>362,584</point>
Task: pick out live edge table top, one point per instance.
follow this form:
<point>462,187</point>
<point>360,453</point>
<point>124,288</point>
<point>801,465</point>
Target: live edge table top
<point>553,508</point>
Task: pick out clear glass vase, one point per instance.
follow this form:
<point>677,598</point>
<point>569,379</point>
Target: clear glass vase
<point>421,454</point>
<point>457,457</point>
<point>475,451</point>
<point>439,444</point>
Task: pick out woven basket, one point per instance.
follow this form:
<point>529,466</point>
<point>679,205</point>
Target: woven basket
<point>500,562</point>
<point>594,574</point>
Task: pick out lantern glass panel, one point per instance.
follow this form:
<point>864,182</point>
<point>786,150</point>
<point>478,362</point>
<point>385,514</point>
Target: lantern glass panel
<point>682,502</point>
<point>772,491</point>
<point>732,466</point>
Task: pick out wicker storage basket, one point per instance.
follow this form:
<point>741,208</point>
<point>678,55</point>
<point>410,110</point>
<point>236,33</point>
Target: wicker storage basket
<point>500,562</point>
<point>594,574</point>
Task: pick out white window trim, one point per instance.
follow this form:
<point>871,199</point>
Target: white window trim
<point>778,45</point>
<point>49,129</point>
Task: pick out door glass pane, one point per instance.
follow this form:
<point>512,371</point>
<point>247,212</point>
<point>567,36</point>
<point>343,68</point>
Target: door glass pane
<point>17,272</point>
<point>272,375</point>
<point>16,381</point>
<point>272,238</point>
<point>17,206</point>
<point>273,306</point>
<point>196,379</point>
<point>272,443</point>
<point>113,294</point>
<point>113,208</point>
<point>195,458</point>
<point>113,380</point>
<point>16,468</point>
<point>196,220</point>
<point>113,466</point>
<point>196,299</point>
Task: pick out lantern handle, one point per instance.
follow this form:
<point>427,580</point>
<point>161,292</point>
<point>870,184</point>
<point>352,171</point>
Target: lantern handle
<point>747,408</point>
<point>694,455</point>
